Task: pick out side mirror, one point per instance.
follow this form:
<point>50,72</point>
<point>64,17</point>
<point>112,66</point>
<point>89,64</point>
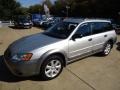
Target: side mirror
<point>75,36</point>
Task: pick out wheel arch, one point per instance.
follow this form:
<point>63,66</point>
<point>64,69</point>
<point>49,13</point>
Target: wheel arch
<point>50,53</point>
<point>111,42</point>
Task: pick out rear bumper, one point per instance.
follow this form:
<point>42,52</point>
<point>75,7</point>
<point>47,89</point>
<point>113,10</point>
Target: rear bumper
<point>115,40</point>
<point>22,69</point>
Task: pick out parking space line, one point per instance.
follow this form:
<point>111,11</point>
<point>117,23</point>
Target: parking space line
<point>80,78</point>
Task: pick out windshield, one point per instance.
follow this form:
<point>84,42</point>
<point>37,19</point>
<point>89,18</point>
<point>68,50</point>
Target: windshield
<point>61,30</point>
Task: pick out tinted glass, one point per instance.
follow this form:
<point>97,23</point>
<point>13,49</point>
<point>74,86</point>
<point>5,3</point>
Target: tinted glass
<point>61,30</point>
<point>107,27</point>
<point>99,27</point>
<point>84,30</point>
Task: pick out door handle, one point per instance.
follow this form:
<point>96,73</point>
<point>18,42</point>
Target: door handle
<point>105,35</point>
<point>90,39</point>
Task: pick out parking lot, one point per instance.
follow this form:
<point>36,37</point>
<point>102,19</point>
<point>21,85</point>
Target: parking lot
<point>92,73</point>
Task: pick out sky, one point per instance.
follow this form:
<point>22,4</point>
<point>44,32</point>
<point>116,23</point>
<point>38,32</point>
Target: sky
<point>27,3</point>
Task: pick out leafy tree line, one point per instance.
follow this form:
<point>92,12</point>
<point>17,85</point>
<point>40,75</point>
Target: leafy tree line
<point>76,8</point>
<point>8,8</point>
<point>87,8</point>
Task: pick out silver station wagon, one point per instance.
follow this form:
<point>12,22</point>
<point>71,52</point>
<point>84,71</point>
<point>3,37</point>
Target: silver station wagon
<point>46,53</point>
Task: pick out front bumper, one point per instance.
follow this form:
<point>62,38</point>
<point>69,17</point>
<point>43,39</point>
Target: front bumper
<point>22,68</point>
<point>23,26</point>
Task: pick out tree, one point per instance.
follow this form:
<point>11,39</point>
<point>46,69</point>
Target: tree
<point>35,9</point>
<point>21,11</point>
<point>8,8</point>
<point>87,8</point>
<point>59,8</point>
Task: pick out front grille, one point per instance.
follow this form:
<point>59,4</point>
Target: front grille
<point>7,54</point>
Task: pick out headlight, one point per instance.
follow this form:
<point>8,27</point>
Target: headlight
<point>22,56</point>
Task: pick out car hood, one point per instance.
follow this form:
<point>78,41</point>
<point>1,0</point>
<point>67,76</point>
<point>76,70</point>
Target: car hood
<point>29,43</point>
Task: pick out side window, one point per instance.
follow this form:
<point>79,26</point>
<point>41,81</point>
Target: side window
<point>84,30</point>
<point>107,27</point>
<point>100,27</point>
<point>97,27</point>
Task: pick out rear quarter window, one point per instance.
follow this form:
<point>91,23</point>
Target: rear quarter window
<point>100,27</point>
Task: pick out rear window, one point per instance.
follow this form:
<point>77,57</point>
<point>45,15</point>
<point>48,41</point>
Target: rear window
<point>100,27</point>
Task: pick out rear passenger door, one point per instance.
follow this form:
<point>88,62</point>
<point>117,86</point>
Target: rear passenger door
<point>99,32</point>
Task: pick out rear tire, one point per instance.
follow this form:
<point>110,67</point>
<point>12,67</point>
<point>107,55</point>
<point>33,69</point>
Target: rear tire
<point>51,67</point>
<point>107,49</point>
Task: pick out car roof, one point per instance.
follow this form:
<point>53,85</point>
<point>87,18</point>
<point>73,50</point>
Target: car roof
<point>97,20</point>
<point>79,20</point>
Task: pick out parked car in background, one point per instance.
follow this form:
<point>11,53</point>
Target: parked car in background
<point>23,22</point>
<point>44,20</point>
<point>48,22</point>
<point>38,21</point>
<point>51,22</point>
<point>36,18</point>
<point>46,53</point>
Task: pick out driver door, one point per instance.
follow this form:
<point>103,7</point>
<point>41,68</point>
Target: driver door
<point>81,46</point>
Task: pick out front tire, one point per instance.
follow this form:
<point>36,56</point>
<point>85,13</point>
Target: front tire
<point>51,67</point>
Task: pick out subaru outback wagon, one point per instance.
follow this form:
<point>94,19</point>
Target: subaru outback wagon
<point>46,53</point>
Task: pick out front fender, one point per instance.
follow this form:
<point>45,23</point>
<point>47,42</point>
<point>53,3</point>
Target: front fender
<point>48,53</point>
